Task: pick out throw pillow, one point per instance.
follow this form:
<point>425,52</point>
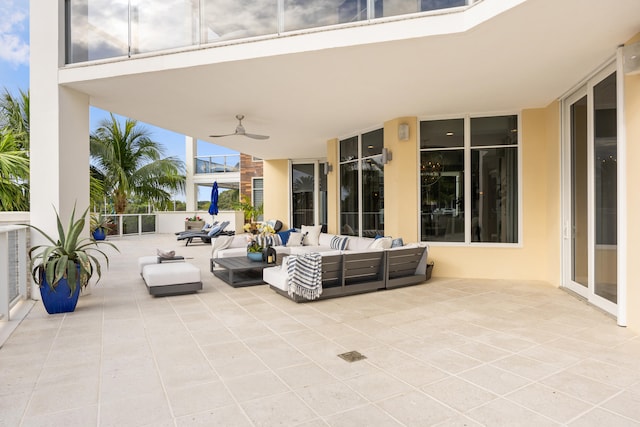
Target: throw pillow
<point>166,254</point>
<point>214,231</point>
<point>220,243</point>
<point>295,239</point>
<point>339,243</point>
<point>381,243</point>
<point>284,235</point>
<point>272,240</point>
<point>396,243</point>
<point>313,234</point>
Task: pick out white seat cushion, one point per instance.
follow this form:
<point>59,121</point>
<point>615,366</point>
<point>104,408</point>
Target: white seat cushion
<point>277,276</point>
<point>146,260</point>
<point>170,274</point>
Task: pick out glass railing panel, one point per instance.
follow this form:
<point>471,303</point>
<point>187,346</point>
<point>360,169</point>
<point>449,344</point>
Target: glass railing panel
<point>163,24</point>
<point>217,164</point>
<point>97,29</point>
<point>130,224</point>
<point>100,29</point>
<point>229,19</point>
<point>148,223</point>
<point>385,8</point>
<point>302,14</point>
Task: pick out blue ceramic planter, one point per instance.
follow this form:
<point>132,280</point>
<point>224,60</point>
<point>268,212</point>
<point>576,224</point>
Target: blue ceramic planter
<point>254,256</point>
<point>99,234</point>
<point>59,300</point>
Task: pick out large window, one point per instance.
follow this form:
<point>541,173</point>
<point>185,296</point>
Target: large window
<point>486,148</point>
<point>362,185</point>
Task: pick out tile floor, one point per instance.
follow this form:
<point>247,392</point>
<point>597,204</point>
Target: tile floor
<point>446,353</point>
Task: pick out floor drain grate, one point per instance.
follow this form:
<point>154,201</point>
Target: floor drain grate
<point>352,356</point>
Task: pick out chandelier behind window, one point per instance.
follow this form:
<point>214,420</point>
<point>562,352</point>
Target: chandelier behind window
<point>431,170</point>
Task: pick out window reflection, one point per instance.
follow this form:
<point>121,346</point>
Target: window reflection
<point>96,30</point>
<point>442,187</point>
<point>349,197</point>
<point>236,19</point>
<point>302,178</point>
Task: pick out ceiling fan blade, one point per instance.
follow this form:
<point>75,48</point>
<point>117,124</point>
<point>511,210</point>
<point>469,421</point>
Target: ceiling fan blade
<point>254,136</point>
<point>240,131</point>
<point>221,136</point>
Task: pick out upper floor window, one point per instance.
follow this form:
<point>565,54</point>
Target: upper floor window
<point>469,180</point>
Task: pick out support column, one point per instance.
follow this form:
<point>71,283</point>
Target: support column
<point>191,151</point>
<point>59,132</point>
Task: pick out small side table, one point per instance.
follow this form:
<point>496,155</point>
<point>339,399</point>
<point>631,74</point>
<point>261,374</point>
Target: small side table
<point>174,259</point>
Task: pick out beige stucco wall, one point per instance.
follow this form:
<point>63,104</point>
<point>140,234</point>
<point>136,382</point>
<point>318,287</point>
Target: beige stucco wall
<point>401,196</point>
<point>537,258</point>
<point>276,190</point>
<point>632,119</point>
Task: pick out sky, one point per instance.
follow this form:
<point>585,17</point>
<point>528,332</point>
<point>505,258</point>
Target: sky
<point>14,76</point>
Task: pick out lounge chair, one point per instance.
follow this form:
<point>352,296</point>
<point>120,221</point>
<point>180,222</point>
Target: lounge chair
<point>206,236</point>
<point>206,228</point>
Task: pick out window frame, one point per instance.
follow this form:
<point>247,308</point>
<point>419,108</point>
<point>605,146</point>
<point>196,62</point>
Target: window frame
<point>467,148</point>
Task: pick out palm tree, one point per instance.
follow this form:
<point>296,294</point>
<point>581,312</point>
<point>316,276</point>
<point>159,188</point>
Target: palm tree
<point>14,174</point>
<point>130,164</point>
<point>14,115</point>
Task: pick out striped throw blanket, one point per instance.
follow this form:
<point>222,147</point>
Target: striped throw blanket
<point>305,275</point>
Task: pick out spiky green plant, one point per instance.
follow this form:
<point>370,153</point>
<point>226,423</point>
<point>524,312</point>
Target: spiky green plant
<point>70,257</point>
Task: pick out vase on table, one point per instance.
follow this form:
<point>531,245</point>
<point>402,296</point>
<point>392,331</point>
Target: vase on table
<point>255,256</point>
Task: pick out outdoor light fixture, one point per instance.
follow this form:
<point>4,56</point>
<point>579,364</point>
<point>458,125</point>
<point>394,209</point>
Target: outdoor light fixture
<point>631,58</point>
<point>327,168</point>
<point>403,131</point>
<point>386,156</point>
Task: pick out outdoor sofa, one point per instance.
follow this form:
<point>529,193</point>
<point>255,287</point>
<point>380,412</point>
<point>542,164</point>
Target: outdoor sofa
<point>350,264</point>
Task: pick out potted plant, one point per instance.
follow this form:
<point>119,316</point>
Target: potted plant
<point>99,225</point>
<point>256,250</point>
<point>65,266</point>
<point>192,223</point>
<point>251,212</point>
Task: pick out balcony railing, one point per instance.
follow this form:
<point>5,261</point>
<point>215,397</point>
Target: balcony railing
<point>217,164</point>
<point>13,267</point>
<point>100,29</point>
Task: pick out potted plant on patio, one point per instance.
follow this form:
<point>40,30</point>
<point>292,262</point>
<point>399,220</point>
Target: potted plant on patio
<point>259,242</point>
<point>99,225</point>
<point>61,269</point>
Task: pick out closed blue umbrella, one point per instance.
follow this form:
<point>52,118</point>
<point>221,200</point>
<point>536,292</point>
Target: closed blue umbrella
<point>213,207</point>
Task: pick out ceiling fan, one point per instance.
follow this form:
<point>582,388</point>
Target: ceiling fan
<point>240,131</point>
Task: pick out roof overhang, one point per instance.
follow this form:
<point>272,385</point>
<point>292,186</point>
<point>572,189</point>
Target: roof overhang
<point>309,87</point>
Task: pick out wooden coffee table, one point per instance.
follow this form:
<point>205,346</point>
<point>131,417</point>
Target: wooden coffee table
<point>239,271</point>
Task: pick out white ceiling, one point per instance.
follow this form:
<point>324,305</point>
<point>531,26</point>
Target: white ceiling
<point>303,94</point>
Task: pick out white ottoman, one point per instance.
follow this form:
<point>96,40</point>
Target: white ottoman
<point>154,259</point>
<point>146,260</point>
<point>171,278</point>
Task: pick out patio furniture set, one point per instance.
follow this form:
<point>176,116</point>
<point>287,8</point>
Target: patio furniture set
<point>319,265</point>
<point>349,264</point>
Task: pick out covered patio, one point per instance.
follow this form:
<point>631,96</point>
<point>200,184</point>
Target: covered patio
<point>447,352</point>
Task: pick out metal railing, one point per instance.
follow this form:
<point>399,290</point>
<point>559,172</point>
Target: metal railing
<point>130,224</point>
<point>100,29</point>
<point>13,267</point>
<point>221,163</point>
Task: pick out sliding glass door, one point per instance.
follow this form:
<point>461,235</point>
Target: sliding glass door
<point>591,197</point>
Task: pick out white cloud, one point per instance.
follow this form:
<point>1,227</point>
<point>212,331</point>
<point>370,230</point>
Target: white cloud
<point>14,47</point>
